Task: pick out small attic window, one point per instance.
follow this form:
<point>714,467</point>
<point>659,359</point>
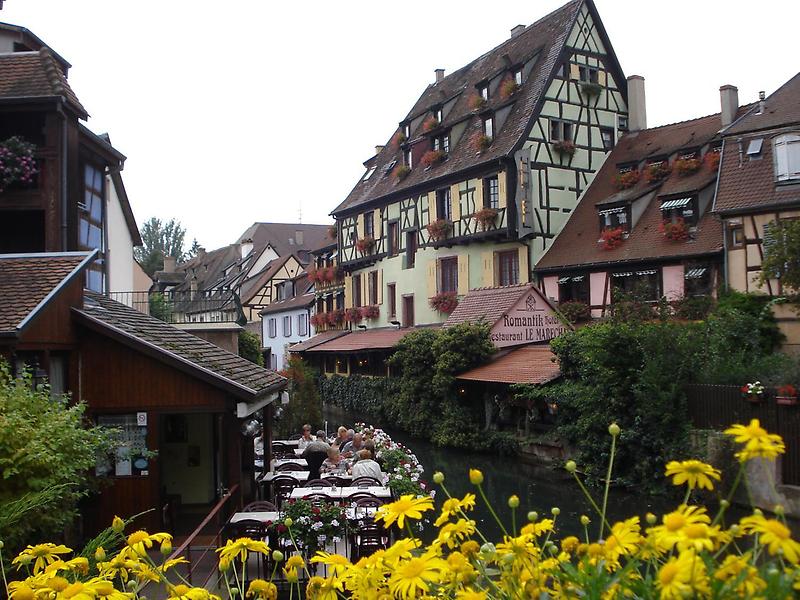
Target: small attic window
<point>588,74</point>
<point>407,130</point>
<point>518,76</point>
<point>622,122</point>
<point>442,142</point>
<point>437,113</point>
<point>483,90</point>
<point>754,148</point>
<point>407,158</point>
<point>626,168</point>
<point>388,168</point>
<point>369,173</point>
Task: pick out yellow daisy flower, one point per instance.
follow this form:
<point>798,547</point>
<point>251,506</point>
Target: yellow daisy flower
<point>774,535</point>
<point>320,588</point>
<point>407,507</point>
<point>295,561</point>
<point>694,473</point>
<point>743,576</point>
<point>338,564</point>
<point>624,538</point>
<point>453,533</point>
<point>141,541</point>
<point>453,507</point>
<point>415,575</point>
<point>682,576</point>
<point>265,590</point>
<point>757,441</point>
<point>240,548</point>
<point>41,555</point>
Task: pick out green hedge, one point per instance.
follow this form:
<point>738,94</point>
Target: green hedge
<point>360,395</point>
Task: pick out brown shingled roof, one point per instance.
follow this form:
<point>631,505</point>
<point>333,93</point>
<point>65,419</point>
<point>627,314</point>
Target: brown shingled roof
<point>539,45</point>
<point>781,108</point>
<point>529,364</point>
<point>27,75</point>
<point>488,304</point>
<point>356,341</point>
<point>233,373</point>
<point>318,339</point>
<point>29,281</point>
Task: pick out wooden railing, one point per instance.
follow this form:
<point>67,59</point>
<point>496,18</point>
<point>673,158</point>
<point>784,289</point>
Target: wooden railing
<point>185,549</point>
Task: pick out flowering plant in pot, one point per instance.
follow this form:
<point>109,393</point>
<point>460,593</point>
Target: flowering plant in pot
<point>687,166</point>
<point>612,237</point>
<point>353,315</point>
<point>313,526</point>
<point>486,217</point>
<point>366,244</point>
<point>400,172</point>
<point>564,147</point>
<point>753,392</point>
<point>330,274</point>
<point>318,319</point>
<point>508,88</point>
<point>431,158</point>
<point>676,231</point>
<point>657,171</point>
<point>444,302</point>
<point>591,89</point>
<point>335,317</point>
<point>476,101</point>
<point>787,395</point>
<point>439,229</point>
<point>430,124</point>
<point>370,312</point>
<point>17,163</point>
<point>712,160</point>
<point>627,180</point>
<point>480,142</point>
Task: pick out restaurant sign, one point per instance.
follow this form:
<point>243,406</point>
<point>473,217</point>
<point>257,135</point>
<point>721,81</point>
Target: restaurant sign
<point>532,319</point>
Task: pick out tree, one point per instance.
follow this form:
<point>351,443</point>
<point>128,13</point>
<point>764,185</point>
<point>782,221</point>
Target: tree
<point>250,347</point>
<point>160,240</point>
<point>46,456</point>
<point>782,253</point>
<point>304,404</point>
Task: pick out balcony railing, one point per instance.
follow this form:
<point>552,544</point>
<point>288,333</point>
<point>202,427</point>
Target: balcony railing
<point>183,308</point>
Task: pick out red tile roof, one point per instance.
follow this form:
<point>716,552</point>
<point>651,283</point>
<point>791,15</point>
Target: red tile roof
<point>35,75</point>
<point>529,364</point>
<point>577,244</point>
<point>540,44</point>
<point>29,281</point>
<point>318,339</point>
<point>488,304</point>
<point>781,108</point>
<point>358,341</point>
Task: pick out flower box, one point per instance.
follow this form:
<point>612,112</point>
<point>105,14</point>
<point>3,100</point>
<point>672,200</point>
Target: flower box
<point>17,162</point>
<point>612,237</point>
<point>432,158</point>
<point>334,317</point>
<point>486,217</point>
<point>400,172</point>
<point>481,142</point>
<point>365,245</point>
<point>318,319</point>
<point>687,166</point>
<point>591,89</point>
<point>676,232</point>
<point>439,229</point>
<point>712,160</point>
<point>627,180</point>
<point>476,101</point>
<point>445,302</point>
<point>564,147</point>
<point>370,312</point>
<point>753,392</point>
<point>657,171</point>
<point>787,395</point>
<point>430,124</point>
<point>508,88</point>
<point>353,315</point>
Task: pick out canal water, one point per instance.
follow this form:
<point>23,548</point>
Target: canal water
<point>539,488</point>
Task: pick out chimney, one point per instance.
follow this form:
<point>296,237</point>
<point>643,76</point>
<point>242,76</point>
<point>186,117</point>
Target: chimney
<point>637,108</point>
<point>729,100</point>
<point>246,247</point>
<point>439,75</point>
<point>516,30</point>
<point>298,237</point>
<point>378,149</point>
<point>762,95</point>
<point>170,262</point>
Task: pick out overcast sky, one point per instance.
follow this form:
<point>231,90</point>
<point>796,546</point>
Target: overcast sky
<point>238,111</point>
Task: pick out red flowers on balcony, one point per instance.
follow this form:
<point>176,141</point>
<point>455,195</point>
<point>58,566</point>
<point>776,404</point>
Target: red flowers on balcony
<point>687,166</point>
<point>612,237</point>
<point>627,180</point>
<point>370,312</point>
<point>439,229</point>
<point>353,315</point>
<point>786,395</point>
<point>17,163</point>
<point>486,217</point>
<point>564,147</point>
<point>676,231</point>
<point>365,244</point>
<point>444,302</point>
<point>657,171</point>
<point>432,158</point>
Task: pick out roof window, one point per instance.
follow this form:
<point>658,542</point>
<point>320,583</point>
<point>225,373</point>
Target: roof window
<point>369,173</point>
<point>754,148</point>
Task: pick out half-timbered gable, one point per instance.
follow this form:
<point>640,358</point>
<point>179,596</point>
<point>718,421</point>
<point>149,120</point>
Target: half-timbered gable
<point>262,289</point>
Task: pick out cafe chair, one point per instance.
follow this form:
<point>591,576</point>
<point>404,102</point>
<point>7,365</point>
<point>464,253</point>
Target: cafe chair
<point>289,466</point>
<point>282,487</point>
<point>366,539</point>
<point>366,482</point>
<point>280,450</point>
<point>319,483</point>
<point>260,506</point>
<point>318,499</point>
<point>365,499</point>
<point>336,480</point>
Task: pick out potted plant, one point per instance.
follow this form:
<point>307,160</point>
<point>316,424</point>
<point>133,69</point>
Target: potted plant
<point>712,160</point>
<point>627,180</point>
<point>430,124</point>
<point>370,312</point>
<point>432,157</point>
<point>676,231</point>
<point>400,172</point>
<point>657,171</point>
<point>17,163</point>
<point>439,229</point>
<point>398,139</point>
<point>591,89</point>
<point>444,302</point>
<point>508,88</point>
<point>687,166</point>
<point>564,147</point>
<point>481,142</point>
<point>335,317</point>
<point>313,526</point>
<point>353,315</point>
<point>366,244</point>
<point>787,395</point>
<point>753,392</point>
<point>476,101</point>
<point>486,217</point>
<point>612,237</point>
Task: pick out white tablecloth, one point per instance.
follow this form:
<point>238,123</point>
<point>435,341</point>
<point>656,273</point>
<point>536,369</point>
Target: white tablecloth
<point>300,475</point>
<point>276,462</point>
<point>341,493</point>
<point>273,517</point>
<point>287,442</point>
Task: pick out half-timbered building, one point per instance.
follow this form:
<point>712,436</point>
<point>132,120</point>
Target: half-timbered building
<point>483,172</point>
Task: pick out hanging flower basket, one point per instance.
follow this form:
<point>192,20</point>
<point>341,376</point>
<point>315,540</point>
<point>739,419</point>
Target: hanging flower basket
<point>753,392</point>
<point>486,217</point>
<point>657,171</point>
<point>476,101</point>
<point>439,229</point>
<point>591,89</point>
<point>432,158</point>
<point>564,147</point>
<point>508,88</point>
<point>445,302</point>
<point>712,160</point>
<point>687,166</point>
<point>334,317</point>
<point>480,142</point>
<point>17,163</point>
<point>365,245</point>
<point>400,172</point>
<point>612,237</point>
<point>627,180</point>
<point>430,124</point>
<point>676,232</point>
<point>353,315</point>
<point>370,312</point>
<point>787,395</point>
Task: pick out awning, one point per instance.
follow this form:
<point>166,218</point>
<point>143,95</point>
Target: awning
<point>529,364</point>
<point>631,273</point>
<point>611,211</point>
<point>676,203</point>
<point>695,273</point>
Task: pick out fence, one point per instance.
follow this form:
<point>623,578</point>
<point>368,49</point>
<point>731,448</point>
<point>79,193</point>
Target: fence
<point>182,307</point>
<point>719,406</point>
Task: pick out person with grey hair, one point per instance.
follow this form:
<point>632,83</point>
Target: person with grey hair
<point>334,464</point>
<point>352,447</point>
<point>366,466</point>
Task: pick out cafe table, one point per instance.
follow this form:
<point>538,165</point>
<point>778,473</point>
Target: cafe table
<point>352,513</point>
<point>294,443</point>
<point>277,462</point>
<point>341,493</point>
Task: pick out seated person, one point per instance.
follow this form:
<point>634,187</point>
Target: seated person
<point>366,466</point>
<point>334,464</point>
<point>307,437</point>
<point>315,453</point>
<point>258,444</point>
<point>341,437</point>
<point>367,444</point>
<point>350,448</point>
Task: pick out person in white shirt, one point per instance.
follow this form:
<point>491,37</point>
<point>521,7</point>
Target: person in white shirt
<point>307,437</point>
<point>258,444</point>
<point>366,466</point>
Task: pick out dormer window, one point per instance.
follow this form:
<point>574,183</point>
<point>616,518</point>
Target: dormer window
<point>518,76</point>
<point>437,114</point>
<point>483,90</point>
<point>407,158</point>
<point>369,173</point>
<point>488,127</point>
<point>611,218</point>
<point>407,130</point>
<point>442,143</point>
<point>683,207</point>
<point>588,74</point>
<point>787,157</point>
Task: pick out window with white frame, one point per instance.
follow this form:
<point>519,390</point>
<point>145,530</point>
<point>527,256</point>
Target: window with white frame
<point>483,90</point>
<point>617,216</point>
<point>518,76</point>
<point>786,149</point>
<point>442,143</point>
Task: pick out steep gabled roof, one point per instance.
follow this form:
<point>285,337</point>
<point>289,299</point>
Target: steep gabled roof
<point>488,304</point>
<point>538,47</point>
<point>28,282</point>
<point>781,108</point>
<point>284,239</point>
<point>29,39</point>
<point>188,352</point>
<point>36,75</point>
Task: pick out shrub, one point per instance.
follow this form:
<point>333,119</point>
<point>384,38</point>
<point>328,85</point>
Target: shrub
<point>432,158</point>
<point>159,306</point>
<point>575,312</point>
<point>508,88</point>
<point>361,395</point>
<point>304,404</point>
<point>782,254</point>
<point>250,347</point>
<point>757,308</point>
<point>694,308</point>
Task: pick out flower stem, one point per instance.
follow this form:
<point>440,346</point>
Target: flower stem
<point>491,509</point>
<point>593,503</point>
<point>608,483</point>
